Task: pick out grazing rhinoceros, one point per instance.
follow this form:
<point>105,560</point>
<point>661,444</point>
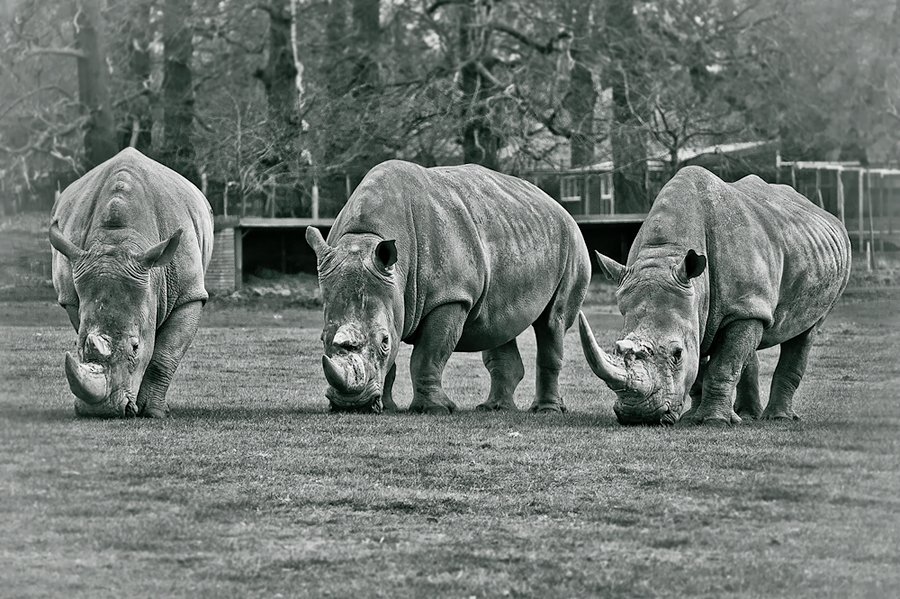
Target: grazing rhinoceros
<point>716,272</point>
<point>131,239</point>
<point>446,259</point>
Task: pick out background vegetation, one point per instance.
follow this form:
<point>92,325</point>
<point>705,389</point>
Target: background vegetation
<point>281,97</point>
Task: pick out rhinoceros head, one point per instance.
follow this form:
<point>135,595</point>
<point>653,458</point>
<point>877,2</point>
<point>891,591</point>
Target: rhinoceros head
<point>656,359</point>
<point>363,311</point>
<point>115,318</point>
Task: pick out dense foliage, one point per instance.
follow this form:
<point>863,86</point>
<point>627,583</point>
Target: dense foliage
<point>291,98</point>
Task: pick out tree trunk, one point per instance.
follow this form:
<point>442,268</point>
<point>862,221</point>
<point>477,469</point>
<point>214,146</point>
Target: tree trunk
<point>280,73</point>
<point>581,97</point>
<point>480,144</point>
<point>93,84</point>
<point>365,83</point>
<point>178,93</point>
<point>137,128</point>
<point>629,146</point>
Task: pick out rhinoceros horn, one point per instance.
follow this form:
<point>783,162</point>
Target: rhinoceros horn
<point>603,366</point>
<point>63,245</point>
<point>344,374</point>
<point>89,382</point>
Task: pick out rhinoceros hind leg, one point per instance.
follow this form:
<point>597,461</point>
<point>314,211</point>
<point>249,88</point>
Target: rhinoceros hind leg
<point>731,351</point>
<point>788,372</point>
<point>505,365</point>
<point>549,331</point>
<point>172,341</point>
<point>439,333</point>
<point>746,403</point>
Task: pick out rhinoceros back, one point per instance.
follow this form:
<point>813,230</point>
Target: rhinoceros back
<point>773,255</point>
<point>152,201</point>
<point>469,234</point>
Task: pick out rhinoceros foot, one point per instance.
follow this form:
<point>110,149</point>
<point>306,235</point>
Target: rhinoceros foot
<point>714,420</point>
<point>781,417</point>
<point>748,413</point>
<point>437,404</point>
<point>545,406</point>
<point>493,405</point>
<point>154,413</point>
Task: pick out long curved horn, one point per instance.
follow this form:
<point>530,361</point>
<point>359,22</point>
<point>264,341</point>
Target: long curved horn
<point>89,382</point>
<point>346,380</point>
<point>603,366</point>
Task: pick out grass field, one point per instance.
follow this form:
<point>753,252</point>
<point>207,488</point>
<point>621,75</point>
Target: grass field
<point>253,490</point>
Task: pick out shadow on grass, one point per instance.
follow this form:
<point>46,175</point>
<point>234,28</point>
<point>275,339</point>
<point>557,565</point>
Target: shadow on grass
<point>232,413</point>
<point>38,414</point>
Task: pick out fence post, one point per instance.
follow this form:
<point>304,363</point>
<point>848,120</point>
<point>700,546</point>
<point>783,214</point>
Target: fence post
<point>225,199</point>
<point>840,197</point>
<point>271,197</point>
<point>871,210</point>
<point>862,216</point>
<point>315,198</point>
<point>819,188</point>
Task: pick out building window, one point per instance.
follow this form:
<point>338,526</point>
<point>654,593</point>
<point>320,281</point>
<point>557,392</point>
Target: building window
<point>570,189</point>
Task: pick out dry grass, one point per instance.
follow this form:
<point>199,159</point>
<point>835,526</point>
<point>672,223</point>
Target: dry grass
<point>254,490</point>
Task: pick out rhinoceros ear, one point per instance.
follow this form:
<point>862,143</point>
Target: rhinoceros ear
<point>609,267</point>
<point>161,253</point>
<point>317,243</point>
<point>63,245</point>
<point>693,266</point>
<point>386,253</point>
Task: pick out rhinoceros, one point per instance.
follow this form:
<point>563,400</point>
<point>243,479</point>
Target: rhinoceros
<point>446,259</point>
<point>717,271</point>
<point>131,242</point>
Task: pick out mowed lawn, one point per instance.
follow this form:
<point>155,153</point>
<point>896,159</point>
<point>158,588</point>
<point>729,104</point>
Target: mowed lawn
<point>253,489</point>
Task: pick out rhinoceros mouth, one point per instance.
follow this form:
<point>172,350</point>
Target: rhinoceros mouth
<point>368,400</point>
<point>120,404</point>
<point>641,410</point>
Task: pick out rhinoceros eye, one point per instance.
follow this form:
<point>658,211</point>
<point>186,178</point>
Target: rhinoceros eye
<point>385,342</point>
<point>677,354</point>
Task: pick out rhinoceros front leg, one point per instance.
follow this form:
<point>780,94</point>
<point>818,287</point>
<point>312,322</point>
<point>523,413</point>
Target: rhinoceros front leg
<point>172,341</point>
<point>505,365</point>
<point>695,394</point>
<point>439,333</point>
<point>736,343</point>
<point>788,372</point>
<point>549,332</point>
<point>387,398</point>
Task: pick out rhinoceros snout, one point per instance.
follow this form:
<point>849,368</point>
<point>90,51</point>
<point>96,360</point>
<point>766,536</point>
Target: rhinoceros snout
<point>663,415</point>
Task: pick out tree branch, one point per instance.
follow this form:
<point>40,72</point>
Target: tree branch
<point>542,48</point>
<point>439,3</point>
<point>54,51</point>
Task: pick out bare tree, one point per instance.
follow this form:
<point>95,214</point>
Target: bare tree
<point>178,91</point>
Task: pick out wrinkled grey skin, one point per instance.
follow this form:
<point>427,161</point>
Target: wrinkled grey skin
<point>718,271</point>
<point>446,259</point>
<point>131,241</point>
